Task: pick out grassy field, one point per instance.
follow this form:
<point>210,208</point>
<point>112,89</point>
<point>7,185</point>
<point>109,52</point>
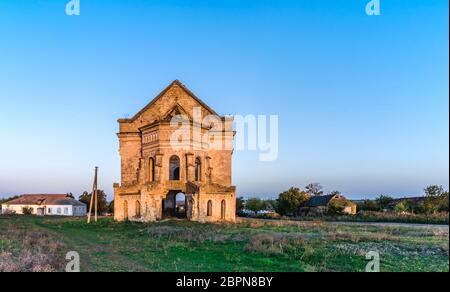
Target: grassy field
<point>388,217</point>
<point>40,244</point>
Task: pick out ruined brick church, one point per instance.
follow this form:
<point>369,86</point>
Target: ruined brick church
<point>161,181</point>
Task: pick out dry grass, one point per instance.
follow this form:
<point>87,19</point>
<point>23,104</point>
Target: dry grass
<point>173,233</point>
<point>280,244</point>
<point>32,244</point>
<point>30,250</point>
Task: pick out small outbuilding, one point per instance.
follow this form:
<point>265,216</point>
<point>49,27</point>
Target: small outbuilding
<point>45,205</point>
<point>320,205</point>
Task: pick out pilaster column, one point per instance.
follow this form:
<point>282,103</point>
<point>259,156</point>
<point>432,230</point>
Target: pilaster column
<point>190,167</point>
<point>158,167</point>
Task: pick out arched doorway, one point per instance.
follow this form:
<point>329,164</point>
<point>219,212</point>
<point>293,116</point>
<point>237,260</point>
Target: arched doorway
<point>174,205</point>
<point>125,210</point>
<point>174,168</point>
<point>151,170</point>
<point>180,205</point>
<point>137,212</point>
<point>223,209</point>
<point>209,209</point>
<point>198,169</point>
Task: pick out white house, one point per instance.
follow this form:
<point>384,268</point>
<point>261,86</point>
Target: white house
<point>45,205</point>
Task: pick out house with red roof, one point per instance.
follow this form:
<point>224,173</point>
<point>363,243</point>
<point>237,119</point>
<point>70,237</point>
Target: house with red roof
<point>45,205</point>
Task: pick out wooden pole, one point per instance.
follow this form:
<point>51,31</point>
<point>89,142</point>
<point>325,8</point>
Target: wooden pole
<point>94,191</point>
<point>96,196</point>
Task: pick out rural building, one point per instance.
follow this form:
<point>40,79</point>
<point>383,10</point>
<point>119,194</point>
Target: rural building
<point>320,205</point>
<point>189,179</point>
<point>45,205</point>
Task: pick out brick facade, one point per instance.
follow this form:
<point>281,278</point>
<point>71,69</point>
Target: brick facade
<point>153,171</point>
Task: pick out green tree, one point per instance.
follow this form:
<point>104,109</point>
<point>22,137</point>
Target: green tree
<point>102,202</point>
<point>334,193</point>
<point>427,207</point>
<point>239,204</point>
<point>434,191</point>
<point>437,200</point>
<point>270,205</point>
<point>384,202</point>
<point>111,207</point>
<point>291,200</point>
<point>254,204</point>
<point>8,199</point>
<point>314,189</point>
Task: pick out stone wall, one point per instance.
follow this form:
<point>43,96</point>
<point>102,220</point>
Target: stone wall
<point>146,149</point>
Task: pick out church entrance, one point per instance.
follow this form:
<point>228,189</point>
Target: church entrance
<point>174,205</point>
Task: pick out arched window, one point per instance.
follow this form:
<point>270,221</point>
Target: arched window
<point>151,170</point>
<point>223,209</point>
<point>138,209</point>
<point>209,209</point>
<point>198,169</point>
<point>125,210</point>
<point>174,168</point>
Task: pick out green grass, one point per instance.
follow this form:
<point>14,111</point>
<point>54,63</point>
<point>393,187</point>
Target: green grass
<point>247,246</point>
<point>370,216</point>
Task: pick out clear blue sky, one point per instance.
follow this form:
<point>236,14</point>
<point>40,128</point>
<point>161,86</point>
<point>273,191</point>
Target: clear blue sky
<point>362,101</point>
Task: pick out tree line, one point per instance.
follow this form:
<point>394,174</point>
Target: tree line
<point>287,203</point>
<point>435,200</point>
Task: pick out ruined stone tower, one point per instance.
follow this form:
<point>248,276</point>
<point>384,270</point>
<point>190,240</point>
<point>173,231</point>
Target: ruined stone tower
<point>168,174</point>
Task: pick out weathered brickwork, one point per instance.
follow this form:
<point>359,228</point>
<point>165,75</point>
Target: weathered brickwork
<point>153,171</point>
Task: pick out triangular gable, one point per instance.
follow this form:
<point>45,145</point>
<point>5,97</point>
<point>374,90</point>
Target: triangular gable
<point>175,111</point>
<point>178,83</point>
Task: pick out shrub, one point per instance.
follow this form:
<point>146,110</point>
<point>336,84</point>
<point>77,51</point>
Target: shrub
<point>401,207</point>
<point>368,205</point>
<point>368,216</point>
<point>428,206</point>
<point>8,212</point>
<point>384,202</point>
<point>410,205</point>
<point>443,206</point>
<point>27,211</point>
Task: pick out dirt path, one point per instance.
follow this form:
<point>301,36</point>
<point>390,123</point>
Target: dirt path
<point>94,255</point>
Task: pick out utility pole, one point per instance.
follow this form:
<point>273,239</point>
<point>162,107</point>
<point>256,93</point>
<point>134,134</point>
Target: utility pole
<point>94,198</point>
